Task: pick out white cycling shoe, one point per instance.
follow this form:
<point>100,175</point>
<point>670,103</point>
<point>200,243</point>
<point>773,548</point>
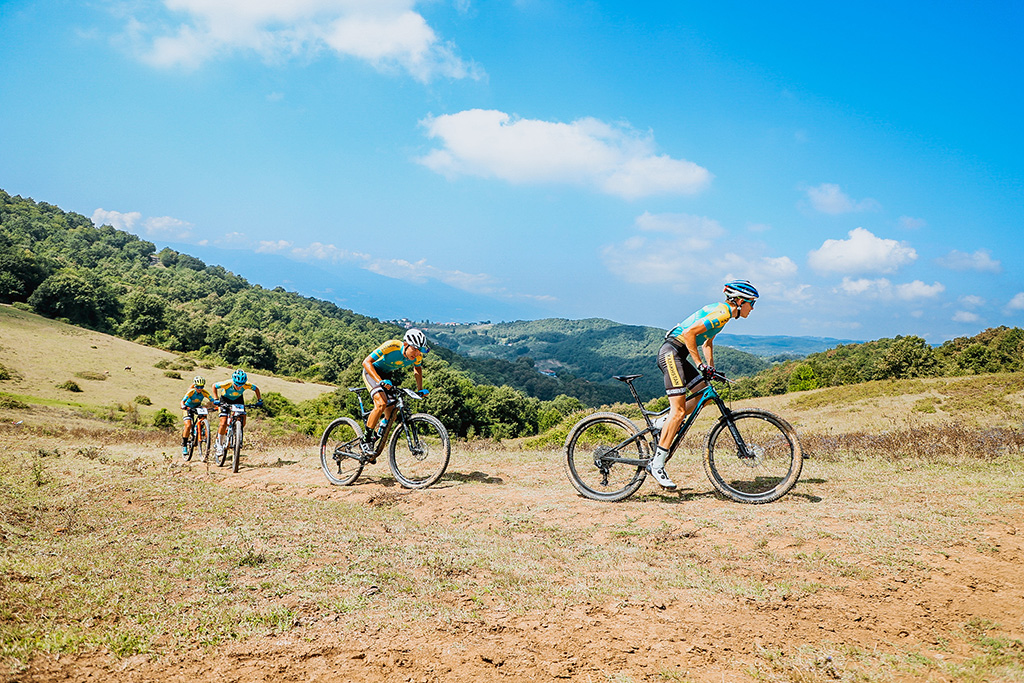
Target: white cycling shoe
<point>656,468</point>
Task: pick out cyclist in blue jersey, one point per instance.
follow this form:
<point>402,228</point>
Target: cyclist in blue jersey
<point>378,370</point>
<point>228,392</point>
<point>690,338</point>
<point>193,399</point>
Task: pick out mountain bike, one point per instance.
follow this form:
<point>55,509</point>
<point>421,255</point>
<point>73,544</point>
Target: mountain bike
<point>199,436</point>
<point>233,441</point>
<point>418,444</point>
<point>750,455</point>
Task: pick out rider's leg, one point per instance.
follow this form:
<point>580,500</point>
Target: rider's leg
<point>186,429</point>
<point>379,403</point>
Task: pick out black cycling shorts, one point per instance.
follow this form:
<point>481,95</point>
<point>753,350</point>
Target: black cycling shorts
<point>680,375</point>
<point>225,402</point>
<point>373,385</point>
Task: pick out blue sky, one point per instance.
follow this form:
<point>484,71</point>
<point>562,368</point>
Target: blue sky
<point>861,163</point>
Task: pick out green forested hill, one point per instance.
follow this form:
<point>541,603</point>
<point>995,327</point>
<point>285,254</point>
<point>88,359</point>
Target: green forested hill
<point>593,349</point>
<point>59,264</point>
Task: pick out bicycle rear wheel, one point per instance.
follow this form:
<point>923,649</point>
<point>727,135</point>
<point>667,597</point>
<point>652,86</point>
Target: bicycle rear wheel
<point>419,451</point>
<point>224,444</point>
<point>237,450</point>
<point>764,468</point>
<point>590,448</point>
<point>340,454</point>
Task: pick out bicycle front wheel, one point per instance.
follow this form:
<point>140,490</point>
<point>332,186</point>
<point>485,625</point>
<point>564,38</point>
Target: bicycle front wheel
<point>419,451</point>
<point>761,465</point>
<point>340,456</point>
<point>190,445</point>
<point>204,440</point>
<point>592,450</point>
<point>223,446</point>
<point>236,454</point>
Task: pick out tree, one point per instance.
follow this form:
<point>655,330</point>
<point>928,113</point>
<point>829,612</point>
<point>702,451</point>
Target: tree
<point>82,298</point>
<point>143,314</point>
<point>250,349</point>
<point>907,357</point>
<point>802,379</point>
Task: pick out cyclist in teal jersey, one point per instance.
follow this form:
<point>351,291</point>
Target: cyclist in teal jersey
<point>378,370</point>
<point>194,398</point>
<point>690,338</point>
<point>232,391</point>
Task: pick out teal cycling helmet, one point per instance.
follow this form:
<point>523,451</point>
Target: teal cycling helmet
<point>239,377</point>
<point>740,289</point>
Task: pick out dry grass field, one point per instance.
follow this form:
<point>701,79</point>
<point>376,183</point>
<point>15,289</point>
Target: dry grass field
<point>898,557</point>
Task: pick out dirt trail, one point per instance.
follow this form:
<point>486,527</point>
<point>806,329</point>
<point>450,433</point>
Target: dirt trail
<point>684,636</point>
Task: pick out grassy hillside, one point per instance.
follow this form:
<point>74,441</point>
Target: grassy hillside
<point>40,354</point>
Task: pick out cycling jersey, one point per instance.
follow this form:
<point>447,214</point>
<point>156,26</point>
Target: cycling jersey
<point>713,317</point>
<point>388,357</point>
<point>230,392</point>
<point>195,397</point>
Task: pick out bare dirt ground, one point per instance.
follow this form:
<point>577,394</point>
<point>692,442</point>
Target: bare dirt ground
<point>864,572</point>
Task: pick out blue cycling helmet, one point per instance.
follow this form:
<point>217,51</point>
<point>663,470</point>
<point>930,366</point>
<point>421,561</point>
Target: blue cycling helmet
<point>740,289</point>
<point>239,377</point>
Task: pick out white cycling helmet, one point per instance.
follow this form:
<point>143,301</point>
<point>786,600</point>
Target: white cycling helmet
<point>740,289</point>
<point>416,338</point>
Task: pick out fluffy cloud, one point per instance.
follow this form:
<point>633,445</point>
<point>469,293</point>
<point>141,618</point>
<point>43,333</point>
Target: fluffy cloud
<point>829,198</point>
<point>980,260</point>
<point>1016,303</point>
<point>861,253</point>
<point>615,159</point>
<point>884,290</point>
<point>678,251</point>
<point>966,317</point>
<point>160,227</point>
<point>385,33</point>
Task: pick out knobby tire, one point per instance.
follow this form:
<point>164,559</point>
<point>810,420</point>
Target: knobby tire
<point>237,450</point>
<point>419,451</point>
<point>597,437</point>
<point>768,469</point>
<point>340,455</point>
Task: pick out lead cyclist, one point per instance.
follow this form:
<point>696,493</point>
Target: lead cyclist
<point>684,380</point>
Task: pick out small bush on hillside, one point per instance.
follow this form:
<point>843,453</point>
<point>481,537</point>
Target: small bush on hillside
<point>70,385</point>
<point>164,419</point>
<point>172,374</point>
<point>4,372</point>
<point>11,403</point>
<point>142,400</point>
<point>89,374</point>
<point>162,364</point>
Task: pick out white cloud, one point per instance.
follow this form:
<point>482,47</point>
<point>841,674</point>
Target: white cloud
<point>1016,303</point>
<point>966,317</point>
<point>911,223</point>
<point>972,301</point>
<point>116,219</point>
<point>388,34</point>
<point>161,227</point>
<point>829,198</point>
<point>673,250</point>
<point>861,253</point>
<point>884,290</point>
<point>615,159</point>
<point>980,260</point>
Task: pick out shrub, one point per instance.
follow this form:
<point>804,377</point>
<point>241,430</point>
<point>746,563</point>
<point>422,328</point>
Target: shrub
<point>11,403</point>
<point>164,419</point>
<point>89,374</point>
<point>70,385</point>
<point>143,400</point>
<point>173,374</point>
<point>4,372</point>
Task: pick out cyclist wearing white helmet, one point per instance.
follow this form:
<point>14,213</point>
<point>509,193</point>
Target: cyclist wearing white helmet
<point>378,370</point>
<point>689,339</point>
<point>194,398</point>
